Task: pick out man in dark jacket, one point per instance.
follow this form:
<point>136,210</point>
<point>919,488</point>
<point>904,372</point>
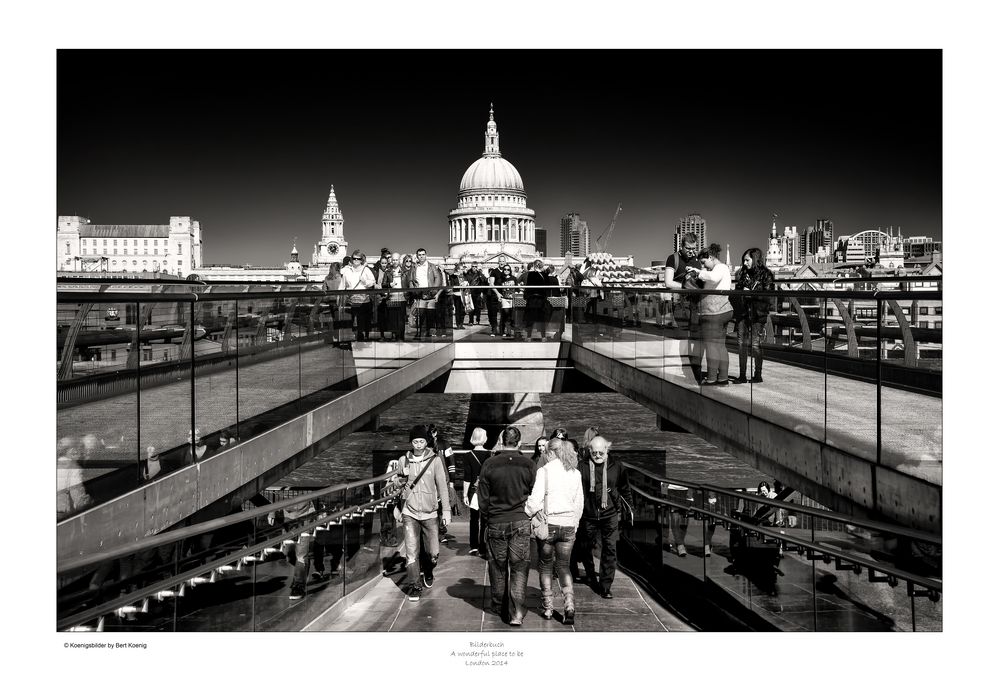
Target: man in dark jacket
<point>605,495</point>
<point>751,312</point>
<point>505,483</point>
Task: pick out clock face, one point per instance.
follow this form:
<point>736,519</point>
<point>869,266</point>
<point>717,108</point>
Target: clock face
<point>333,248</point>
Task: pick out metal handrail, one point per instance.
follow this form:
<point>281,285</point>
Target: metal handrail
<point>210,525</point>
<point>89,296</point>
<point>140,594</point>
<point>926,582</point>
<point>918,535</point>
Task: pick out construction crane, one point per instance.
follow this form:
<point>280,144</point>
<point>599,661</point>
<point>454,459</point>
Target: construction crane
<point>604,239</point>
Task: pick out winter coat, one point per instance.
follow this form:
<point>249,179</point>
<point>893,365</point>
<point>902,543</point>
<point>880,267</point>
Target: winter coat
<point>752,308</point>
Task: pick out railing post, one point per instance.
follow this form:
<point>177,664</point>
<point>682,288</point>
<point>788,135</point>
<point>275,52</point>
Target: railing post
<point>138,398</point>
<point>193,425</point>
<point>880,312</point>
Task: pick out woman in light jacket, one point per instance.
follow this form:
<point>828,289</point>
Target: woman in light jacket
<point>358,277</point>
<point>716,313</point>
<point>559,483</point>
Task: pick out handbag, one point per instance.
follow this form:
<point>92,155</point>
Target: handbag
<point>539,521</point>
<point>506,303</point>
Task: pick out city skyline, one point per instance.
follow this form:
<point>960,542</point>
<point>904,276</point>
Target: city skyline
<point>248,143</point>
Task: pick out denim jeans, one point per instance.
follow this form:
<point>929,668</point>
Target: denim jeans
<point>558,546</point>
<point>713,332</point>
<point>509,551</point>
<point>750,338</point>
<point>414,530</point>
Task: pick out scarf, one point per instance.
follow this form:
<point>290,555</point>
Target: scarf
<point>593,481</point>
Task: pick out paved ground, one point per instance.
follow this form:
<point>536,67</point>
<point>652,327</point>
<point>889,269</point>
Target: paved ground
<point>459,601</point>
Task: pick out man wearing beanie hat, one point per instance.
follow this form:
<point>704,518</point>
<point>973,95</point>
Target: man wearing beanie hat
<point>420,509</point>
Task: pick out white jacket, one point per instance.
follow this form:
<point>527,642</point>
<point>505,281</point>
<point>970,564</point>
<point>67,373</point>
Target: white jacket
<point>565,495</point>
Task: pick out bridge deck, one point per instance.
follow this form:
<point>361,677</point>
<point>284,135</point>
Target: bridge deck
<point>459,601</point>
<point>839,411</point>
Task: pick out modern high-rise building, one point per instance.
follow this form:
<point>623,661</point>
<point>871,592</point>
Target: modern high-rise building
<point>816,238</point>
<point>691,223</point>
<point>541,241</point>
<point>575,235</point>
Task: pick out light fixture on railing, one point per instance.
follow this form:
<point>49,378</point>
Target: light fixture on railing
<point>224,570</point>
<point>197,581</point>
<point>287,542</point>
<point>913,592</point>
<point>168,593</point>
<point>85,628</point>
<point>368,511</point>
<point>875,578</point>
<point>269,551</point>
<point>126,610</point>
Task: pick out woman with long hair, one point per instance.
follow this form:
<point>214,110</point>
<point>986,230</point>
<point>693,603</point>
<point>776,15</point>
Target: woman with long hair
<point>715,314</point>
<point>558,490</point>
<point>506,280</point>
<point>751,312</point>
<point>394,318</point>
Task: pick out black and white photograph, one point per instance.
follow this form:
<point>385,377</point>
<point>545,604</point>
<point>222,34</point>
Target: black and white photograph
<point>495,351</point>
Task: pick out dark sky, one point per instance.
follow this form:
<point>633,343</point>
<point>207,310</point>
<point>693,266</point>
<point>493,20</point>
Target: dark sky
<point>249,142</point>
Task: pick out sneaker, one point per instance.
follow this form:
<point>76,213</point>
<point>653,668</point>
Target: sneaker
<point>414,592</point>
<point>297,592</point>
<point>318,576</point>
<point>473,552</point>
<point>428,581</point>
<point>607,594</point>
<point>707,551</point>
<point>681,550</point>
<point>569,618</point>
<point>547,614</point>
<point>756,379</point>
<point>722,384</point>
<point>741,379</point>
<point>516,622</point>
<point>492,335</point>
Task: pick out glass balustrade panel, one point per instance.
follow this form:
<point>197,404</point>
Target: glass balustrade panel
<point>786,375</point>
<point>851,375</point>
<point>97,448</point>
<point>911,388</point>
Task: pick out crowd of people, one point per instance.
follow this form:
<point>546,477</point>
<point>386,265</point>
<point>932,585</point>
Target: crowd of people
<point>566,498</point>
<point>705,318</point>
<point>380,299</point>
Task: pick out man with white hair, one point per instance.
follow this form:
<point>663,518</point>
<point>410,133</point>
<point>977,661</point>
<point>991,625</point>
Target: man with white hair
<point>606,494</point>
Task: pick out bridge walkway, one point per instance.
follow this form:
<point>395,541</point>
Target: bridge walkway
<point>459,601</point>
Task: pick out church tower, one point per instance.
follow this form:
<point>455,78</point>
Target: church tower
<point>332,246</point>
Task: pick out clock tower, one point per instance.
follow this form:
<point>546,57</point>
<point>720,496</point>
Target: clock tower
<point>332,246</point>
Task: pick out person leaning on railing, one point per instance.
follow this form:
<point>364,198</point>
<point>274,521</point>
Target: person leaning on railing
<point>751,312</point>
<point>358,277</point>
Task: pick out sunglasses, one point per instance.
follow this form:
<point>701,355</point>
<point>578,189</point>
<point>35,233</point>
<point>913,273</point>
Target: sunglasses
<point>356,259</point>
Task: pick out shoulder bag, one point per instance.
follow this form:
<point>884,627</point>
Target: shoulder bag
<point>539,521</point>
<point>403,495</point>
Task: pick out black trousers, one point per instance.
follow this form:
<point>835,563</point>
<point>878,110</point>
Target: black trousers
<point>459,310</point>
<point>602,533</point>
